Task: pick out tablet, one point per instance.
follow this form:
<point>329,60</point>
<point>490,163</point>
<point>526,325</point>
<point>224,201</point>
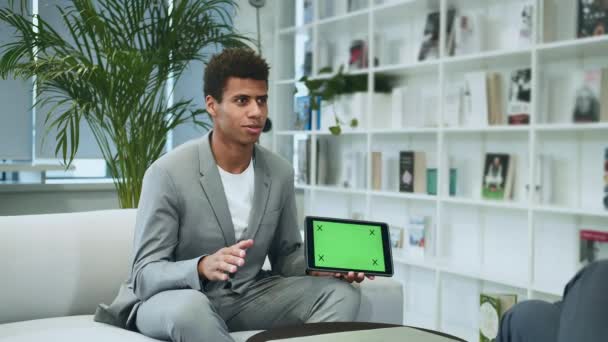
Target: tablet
<point>339,245</point>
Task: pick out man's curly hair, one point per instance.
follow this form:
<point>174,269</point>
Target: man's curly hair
<point>233,62</point>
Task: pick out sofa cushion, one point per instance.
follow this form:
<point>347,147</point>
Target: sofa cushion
<point>78,328</point>
<point>63,264</point>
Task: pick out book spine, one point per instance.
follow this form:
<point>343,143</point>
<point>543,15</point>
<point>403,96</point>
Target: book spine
<point>376,170</point>
<point>606,178</point>
<point>420,172</point>
<point>406,171</point>
<point>594,235</point>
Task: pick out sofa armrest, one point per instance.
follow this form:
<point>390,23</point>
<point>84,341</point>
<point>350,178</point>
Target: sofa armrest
<point>381,301</point>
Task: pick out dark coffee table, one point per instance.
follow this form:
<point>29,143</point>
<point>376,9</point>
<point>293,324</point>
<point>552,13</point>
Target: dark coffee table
<point>311,329</point>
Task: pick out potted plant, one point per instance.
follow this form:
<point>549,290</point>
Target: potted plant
<point>330,90</point>
<point>111,72</point>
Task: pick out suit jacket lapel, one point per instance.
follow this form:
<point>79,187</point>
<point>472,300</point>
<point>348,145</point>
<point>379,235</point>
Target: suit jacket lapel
<point>214,190</point>
<point>261,193</point>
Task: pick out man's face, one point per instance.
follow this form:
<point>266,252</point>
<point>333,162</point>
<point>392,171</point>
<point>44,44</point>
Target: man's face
<point>242,113</point>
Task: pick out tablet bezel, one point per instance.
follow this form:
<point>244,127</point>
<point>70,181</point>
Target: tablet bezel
<point>309,244</point>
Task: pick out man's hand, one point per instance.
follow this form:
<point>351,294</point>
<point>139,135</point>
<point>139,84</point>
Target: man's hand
<point>349,277</point>
<point>227,260</point>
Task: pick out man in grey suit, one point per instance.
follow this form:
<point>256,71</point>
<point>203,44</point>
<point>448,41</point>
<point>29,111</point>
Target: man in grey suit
<point>210,212</point>
<point>580,316</point>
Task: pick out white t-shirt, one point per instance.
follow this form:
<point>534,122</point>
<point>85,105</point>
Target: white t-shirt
<point>239,193</point>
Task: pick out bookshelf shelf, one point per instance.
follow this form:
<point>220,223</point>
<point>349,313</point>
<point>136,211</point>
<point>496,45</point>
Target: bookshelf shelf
<point>553,292</point>
<point>479,244</point>
<point>413,130</point>
<point>412,5</point>
<point>402,195</point>
<point>571,211</point>
<point>485,203</point>
<point>417,262</point>
<point>325,76</point>
<point>571,127</point>
<point>485,59</point>
<point>345,132</point>
<point>436,265</point>
<point>573,48</point>
<point>409,68</point>
<point>493,129</point>
<point>354,15</point>
<point>338,190</point>
<point>295,29</point>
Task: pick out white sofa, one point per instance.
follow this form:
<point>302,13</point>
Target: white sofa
<point>56,268</point>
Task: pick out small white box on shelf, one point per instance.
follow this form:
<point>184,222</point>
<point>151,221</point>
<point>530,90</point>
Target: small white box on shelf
<point>381,115</point>
<point>475,100</point>
<point>397,106</point>
<point>453,104</point>
<point>390,172</point>
<point>353,170</point>
<point>420,107</point>
<point>468,32</point>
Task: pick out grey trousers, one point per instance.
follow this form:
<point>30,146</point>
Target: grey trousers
<point>582,315</point>
<point>190,315</point>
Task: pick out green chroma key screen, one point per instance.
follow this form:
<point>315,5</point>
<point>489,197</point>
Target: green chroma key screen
<point>348,246</point>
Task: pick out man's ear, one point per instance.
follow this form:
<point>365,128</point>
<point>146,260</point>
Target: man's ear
<point>210,103</point>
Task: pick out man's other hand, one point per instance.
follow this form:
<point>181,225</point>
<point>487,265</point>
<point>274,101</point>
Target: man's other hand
<point>349,277</point>
<point>227,260</point>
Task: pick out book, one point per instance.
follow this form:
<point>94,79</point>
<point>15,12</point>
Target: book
<point>592,18</point>
<point>307,65</point>
<point>494,95</point>
<point>520,97</point>
<point>543,179</point>
<point>491,309</point>
<point>429,49</point>
<point>412,171</point>
<point>587,94</point>
<point>453,105</point>
<point>390,172</point>
<point>498,176</point>
<point>606,178</point>
<point>468,33</point>
<point>323,176</point>
<point>302,114</point>
<point>353,170</point>
<point>451,31</point>
<point>418,234</point>
<point>358,55</point>
<point>431,181</point>
<point>376,170</point>
<point>396,237</point>
<point>453,181</point>
<point>593,246</point>
<point>301,159</point>
<point>525,23</point>
<point>475,100</point>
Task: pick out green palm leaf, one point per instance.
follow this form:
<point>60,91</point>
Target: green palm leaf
<point>111,70</point>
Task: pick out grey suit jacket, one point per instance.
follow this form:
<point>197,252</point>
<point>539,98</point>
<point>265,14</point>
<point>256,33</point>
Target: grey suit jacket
<point>183,215</point>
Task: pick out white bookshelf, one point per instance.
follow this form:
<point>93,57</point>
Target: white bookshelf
<point>524,245</point>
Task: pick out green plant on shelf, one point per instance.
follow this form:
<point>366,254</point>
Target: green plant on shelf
<point>331,88</point>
